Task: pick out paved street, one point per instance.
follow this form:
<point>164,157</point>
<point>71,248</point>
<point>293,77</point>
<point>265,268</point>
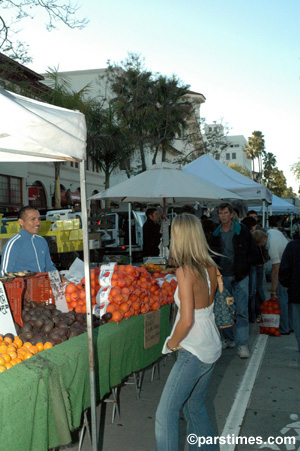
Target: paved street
<point>256,397</point>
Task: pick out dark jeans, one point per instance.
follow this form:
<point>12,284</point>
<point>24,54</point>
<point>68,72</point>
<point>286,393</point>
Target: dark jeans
<point>256,291</point>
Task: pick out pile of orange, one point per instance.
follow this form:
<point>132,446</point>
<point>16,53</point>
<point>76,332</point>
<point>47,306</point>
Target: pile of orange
<point>75,293</point>
<point>269,307</point>
<point>15,351</point>
<point>134,291</point>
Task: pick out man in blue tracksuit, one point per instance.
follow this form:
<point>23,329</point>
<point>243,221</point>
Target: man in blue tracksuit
<point>238,252</point>
<point>27,251</point>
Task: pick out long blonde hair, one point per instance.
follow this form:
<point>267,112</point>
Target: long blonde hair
<point>189,246</point>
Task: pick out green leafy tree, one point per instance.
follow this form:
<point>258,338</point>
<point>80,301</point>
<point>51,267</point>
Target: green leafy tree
<point>240,169</point>
<point>255,150</point>
<point>277,182</point>
<point>62,95</point>
<point>295,168</point>
<point>13,12</point>
<point>131,85</point>
<point>106,144</point>
<point>215,137</point>
<point>269,163</point>
<point>171,111</point>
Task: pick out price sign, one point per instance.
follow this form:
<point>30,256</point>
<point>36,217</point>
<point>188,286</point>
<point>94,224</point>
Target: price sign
<point>151,329</point>
<point>6,320</point>
<point>57,290</point>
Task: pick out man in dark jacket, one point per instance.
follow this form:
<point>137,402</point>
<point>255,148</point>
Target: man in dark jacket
<point>151,234</point>
<point>239,251</point>
<point>289,277</point>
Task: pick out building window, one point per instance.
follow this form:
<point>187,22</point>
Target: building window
<point>228,156</point>
<point>217,156</point>
<point>209,129</point>
<point>233,156</point>
<point>236,145</point>
<point>10,191</point>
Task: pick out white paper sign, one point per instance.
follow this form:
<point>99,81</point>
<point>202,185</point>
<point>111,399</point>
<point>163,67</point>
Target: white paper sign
<point>6,319</point>
<point>57,290</point>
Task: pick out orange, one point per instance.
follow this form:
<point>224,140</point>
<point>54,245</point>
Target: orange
<point>6,357</point>
<point>78,308</point>
<point>2,360</point>
<point>27,345</point>
<point>8,365</point>
<point>83,308</point>
<point>13,362</point>
<point>18,342</point>
<point>70,288</point>
<point>12,354</point>
<point>116,316</point>
<point>39,346</point>
<point>3,348</point>
<point>12,347</point>
<point>2,368</point>
<point>27,355</point>
<point>7,340</point>
<point>124,307</point>
<point>73,304</point>
<point>48,345</point>
<point>33,349</point>
<point>111,308</point>
<point>1,338</point>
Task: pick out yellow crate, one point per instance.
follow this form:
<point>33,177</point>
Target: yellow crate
<point>63,246</point>
<point>45,227</point>
<point>68,224</point>
<point>76,223</point>
<point>59,224</point>
<point>13,227</point>
<point>80,234</point>
<point>79,245</point>
<point>72,246</point>
<point>73,235</point>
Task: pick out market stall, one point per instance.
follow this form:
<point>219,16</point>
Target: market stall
<point>33,131</point>
<point>43,398</point>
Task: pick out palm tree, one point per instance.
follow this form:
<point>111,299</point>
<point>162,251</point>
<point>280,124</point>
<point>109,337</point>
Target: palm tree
<point>255,150</point>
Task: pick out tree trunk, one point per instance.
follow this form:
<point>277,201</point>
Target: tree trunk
<point>155,155</point>
<point>143,160</point>
<point>163,153</point>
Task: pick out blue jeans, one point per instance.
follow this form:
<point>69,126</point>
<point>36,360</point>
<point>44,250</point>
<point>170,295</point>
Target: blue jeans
<point>240,292</point>
<point>285,309</point>
<point>186,387</point>
<point>296,322</point>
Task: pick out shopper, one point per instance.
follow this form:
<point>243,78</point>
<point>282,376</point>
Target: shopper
<point>239,251</point>
<point>27,251</point>
<point>289,277</point>
<point>151,234</point>
<point>194,335</point>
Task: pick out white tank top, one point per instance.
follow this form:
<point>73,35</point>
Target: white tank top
<point>203,339</point>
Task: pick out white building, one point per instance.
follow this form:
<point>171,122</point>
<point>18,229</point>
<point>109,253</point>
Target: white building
<point>226,148</point>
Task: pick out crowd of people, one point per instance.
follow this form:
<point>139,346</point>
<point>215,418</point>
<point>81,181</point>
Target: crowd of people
<point>241,249</point>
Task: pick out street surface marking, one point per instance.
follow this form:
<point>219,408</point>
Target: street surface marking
<point>236,415</point>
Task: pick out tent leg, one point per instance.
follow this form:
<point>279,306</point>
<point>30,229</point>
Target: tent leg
<point>89,320</point>
<point>129,226</point>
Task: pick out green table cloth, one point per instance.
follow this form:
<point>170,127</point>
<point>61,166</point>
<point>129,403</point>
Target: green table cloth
<point>42,399</point>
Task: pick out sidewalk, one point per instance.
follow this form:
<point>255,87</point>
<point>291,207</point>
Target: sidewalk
<point>274,401</point>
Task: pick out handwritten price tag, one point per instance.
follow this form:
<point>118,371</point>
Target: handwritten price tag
<point>6,320</point>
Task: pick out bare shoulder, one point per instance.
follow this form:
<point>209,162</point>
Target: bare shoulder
<point>185,275</point>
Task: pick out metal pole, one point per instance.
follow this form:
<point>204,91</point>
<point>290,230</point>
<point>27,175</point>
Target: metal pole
<point>264,213</point>
<point>86,258</point>
<point>129,226</point>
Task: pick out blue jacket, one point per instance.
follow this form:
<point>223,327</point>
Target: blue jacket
<point>26,252</point>
<point>246,251</point>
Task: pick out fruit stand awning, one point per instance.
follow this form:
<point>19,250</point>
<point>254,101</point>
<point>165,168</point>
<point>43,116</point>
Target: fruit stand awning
<point>34,131</point>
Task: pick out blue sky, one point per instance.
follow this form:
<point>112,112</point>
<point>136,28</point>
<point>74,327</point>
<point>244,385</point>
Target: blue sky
<point>242,55</point>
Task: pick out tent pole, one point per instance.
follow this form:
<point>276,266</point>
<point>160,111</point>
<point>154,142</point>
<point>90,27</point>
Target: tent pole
<point>129,226</point>
<point>264,214</point>
<point>86,257</point>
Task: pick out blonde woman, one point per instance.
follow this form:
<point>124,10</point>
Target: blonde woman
<point>194,335</point>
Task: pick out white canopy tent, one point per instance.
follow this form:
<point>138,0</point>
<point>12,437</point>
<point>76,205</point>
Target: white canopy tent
<point>32,131</point>
<point>164,184</point>
<point>279,206</point>
<point>210,169</point>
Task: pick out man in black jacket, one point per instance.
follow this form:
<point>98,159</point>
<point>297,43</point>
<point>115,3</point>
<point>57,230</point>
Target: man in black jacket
<point>289,272</point>
<point>239,251</point>
<point>151,234</point>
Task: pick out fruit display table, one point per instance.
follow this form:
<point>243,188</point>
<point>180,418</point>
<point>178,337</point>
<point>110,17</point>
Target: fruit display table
<point>42,399</point>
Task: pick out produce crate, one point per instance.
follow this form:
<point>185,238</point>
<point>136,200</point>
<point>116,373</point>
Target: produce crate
<point>14,292</point>
<point>38,288</point>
